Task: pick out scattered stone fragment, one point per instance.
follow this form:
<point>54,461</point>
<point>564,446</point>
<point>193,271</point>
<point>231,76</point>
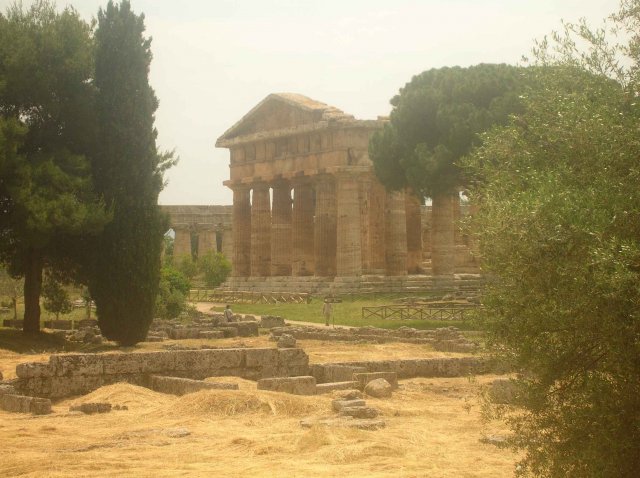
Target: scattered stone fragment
<point>345,422</point>
<point>271,321</point>
<point>286,341</point>
<point>359,412</point>
<point>177,432</point>
<point>350,394</point>
<point>364,378</point>
<point>338,405</point>
<point>332,386</point>
<point>91,408</point>
<point>497,440</point>
<point>378,388</point>
<point>120,407</point>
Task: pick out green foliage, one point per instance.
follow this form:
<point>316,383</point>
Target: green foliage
<point>215,267</point>
<point>168,249</point>
<point>436,119</point>
<point>559,228</point>
<point>186,265</point>
<point>56,298</point>
<point>128,173</point>
<point>174,288</point>
<point>46,130</point>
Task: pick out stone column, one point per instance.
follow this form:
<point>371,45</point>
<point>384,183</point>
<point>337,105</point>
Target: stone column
<point>377,249</point>
<point>396,234</point>
<point>364,198</point>
<point>414,233</point>
<point>241,219</point>
<point>261,231</point>
<point>325,227</point>
<point>182,242</point>
<point>206,242</point>
<point>442,235</point>
<point>349,253</point>
<point>302,234</point>
<point>281,230</point>
<point>227,244</point>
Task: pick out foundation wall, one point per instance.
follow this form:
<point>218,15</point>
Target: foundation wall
<point>78,374</point>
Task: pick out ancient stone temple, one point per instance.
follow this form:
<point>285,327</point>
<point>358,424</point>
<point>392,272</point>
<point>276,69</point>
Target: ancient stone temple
<point>307,208</point>
<point>200,229</point>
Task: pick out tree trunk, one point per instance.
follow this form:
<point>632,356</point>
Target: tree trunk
<point>442,235</point>
<point>32,289</point>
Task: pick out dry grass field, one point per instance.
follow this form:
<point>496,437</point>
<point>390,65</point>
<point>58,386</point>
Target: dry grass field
<point>433,429</point>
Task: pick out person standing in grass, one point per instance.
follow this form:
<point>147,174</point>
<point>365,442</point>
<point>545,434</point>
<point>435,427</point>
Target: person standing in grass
<point>327,309</point>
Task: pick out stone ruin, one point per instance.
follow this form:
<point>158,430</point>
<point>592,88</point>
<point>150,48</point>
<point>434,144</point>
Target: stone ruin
<point>184,371</point>
<point>444,339</point>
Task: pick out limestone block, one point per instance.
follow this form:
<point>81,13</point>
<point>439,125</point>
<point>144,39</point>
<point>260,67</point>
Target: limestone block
<point>331,386</point>
<point>33,370</point>
<point>7,389</point>
<point>305,385</point>
<point>271,321</point>
<point>245,328</point>
<point>292,362</point>
<point>76,364</point>
<point>222,359</point>
<point>286,341</point>
<point>24,404</point>
<point>257,358</point>
<point>359,412</point>
<point>378,388</point>
<point>338,405</point>
<point>91,408</point>
<point>191,360</point>
<point>74,385</point>
<point>123,363</point>
<point>38,387</point>
<point>364,378</point>
<point>229,331</point>
<point>335,373</point>
<point>182,386</point>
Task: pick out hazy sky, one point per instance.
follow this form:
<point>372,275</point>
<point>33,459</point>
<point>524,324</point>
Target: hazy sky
<point>216,59</point>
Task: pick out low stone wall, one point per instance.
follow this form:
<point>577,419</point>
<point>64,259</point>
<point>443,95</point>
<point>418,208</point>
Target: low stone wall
<point>408,368</point>
<point>444,339</point>
<point>77,374</point>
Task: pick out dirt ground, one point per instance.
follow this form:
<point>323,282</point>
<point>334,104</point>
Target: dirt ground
<point>433,429</point>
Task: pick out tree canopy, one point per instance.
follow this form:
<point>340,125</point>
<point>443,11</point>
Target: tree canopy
<point>127,169</point>
<point>46,100</point>
<point>436,119</point>
<point>559,229</point>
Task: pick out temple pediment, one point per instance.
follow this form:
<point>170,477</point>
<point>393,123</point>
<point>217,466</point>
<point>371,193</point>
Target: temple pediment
<point>281,112</point>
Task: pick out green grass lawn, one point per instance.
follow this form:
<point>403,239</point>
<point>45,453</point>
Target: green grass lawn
<point>349,312</point>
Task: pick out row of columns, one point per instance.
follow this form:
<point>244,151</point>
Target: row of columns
<point>354,227</point>
<point>207,241</point>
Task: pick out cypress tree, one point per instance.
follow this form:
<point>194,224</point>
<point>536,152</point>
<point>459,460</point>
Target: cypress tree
<point>128,173</point>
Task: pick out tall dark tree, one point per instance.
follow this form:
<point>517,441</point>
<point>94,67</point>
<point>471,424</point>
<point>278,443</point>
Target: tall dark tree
<point>127,170</point>
<point>437,118</point>
<point>46,98</point>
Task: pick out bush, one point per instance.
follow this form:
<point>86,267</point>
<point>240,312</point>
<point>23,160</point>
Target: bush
<point>216,268</point>
<point>172,294</point>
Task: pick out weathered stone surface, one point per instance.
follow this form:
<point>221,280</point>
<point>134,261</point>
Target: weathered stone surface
<point>24,404</point>
<point>6,388</point>
<point>359,412</point>
<point>91,408</point>
<point>345,422</point>
<point>182,386</point>
<point>33,370</point>
<point>211,334</point>
<point>294,385</point>
<point>378,388</point>
<point>229,331</point>
<point>335,372</point>
<point>271,321</point>
<point>332,386</point>
<point>349,395</point>
<point>364,378</point>
<point>286,341</point>
<point>338,405</point>
<point>247,328</point>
